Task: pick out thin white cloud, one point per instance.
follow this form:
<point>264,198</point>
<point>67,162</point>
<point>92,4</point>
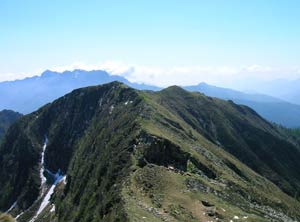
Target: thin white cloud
<point>258,69</point>
<point>113,67</point>
<point>12,76</point>
<point>189,75</point>
<point>179,75</point>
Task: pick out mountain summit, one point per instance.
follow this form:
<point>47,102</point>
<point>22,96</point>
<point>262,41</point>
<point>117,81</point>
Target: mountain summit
<point>113,153</point>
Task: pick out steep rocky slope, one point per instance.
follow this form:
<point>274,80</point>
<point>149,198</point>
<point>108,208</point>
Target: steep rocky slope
<point>112,153</point>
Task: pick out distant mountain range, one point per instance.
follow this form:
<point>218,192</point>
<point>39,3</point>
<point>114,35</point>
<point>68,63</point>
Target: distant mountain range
<point>288,90</point>
<point>271,108</point>
<point>29,94</point>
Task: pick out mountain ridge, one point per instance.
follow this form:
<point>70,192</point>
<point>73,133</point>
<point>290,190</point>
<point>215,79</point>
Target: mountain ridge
<point>29,94</point>
<point>128,154</point>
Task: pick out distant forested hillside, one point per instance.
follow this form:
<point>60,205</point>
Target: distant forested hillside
<point>7,117</point>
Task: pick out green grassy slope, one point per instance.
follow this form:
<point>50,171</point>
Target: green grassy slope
<point>205,172</point>
<point>241,132</point>
<point>150,156</point>
<point>290,134</point>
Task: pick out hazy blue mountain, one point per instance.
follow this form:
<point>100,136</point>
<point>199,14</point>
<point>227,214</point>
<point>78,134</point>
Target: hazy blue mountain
<point>29,94</point>
<point>288,90</point>
<point>225,93</point>
<point>271,108</point>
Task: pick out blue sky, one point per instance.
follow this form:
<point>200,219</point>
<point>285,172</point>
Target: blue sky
<point>199,38</point>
